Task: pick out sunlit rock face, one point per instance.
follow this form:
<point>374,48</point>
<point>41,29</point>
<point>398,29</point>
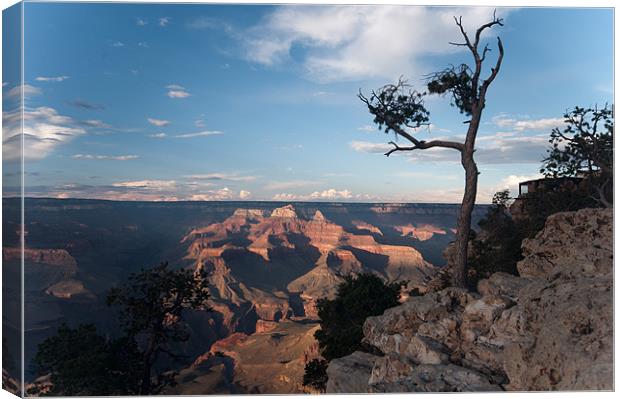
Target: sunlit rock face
<point>307,257</point>
<point>549,329</point>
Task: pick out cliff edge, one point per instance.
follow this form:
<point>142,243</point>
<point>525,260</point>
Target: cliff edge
<point>549,329</point>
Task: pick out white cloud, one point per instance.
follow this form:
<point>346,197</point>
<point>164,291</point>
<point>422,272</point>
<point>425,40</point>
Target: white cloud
<point>29,90</point>
<point>158,122</point>
<point>354,42</point>
<point>213,195</point>
<point>223,176</point>
<point>158,135</point>
<point>206,133</point>
<point>164,21</point>
<point>51,78</point>
<point>149,184</point>
<point>118,44</point>
<point>176,91</point>
<point>141,21</point>
<point>512,182</point>
<point>105,157</point>
<point>44,130</point>
<point>374,148</point>
<point>199,123</point>
<point>140,190</point>
<point>521,125</point>
<point>143,44</point>
<point>329,195</point>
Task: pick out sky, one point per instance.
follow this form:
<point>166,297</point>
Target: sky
<point>198,102</point>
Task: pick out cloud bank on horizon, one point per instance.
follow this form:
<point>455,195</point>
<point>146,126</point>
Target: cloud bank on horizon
<point>229,102</point>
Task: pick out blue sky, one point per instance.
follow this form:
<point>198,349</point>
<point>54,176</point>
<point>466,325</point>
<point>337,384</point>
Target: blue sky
<point>215,102</point>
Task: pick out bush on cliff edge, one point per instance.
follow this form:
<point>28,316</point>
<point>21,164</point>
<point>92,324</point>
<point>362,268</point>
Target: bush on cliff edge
<point>342,319</point>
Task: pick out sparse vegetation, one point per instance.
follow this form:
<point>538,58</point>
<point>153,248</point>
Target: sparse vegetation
<point>497,248</point>
<point>82,362</point>
<point>342,318</point>
<point>584,147</point>
<point>583,150</point>
<point>152,303</point>
<point>315,374</point>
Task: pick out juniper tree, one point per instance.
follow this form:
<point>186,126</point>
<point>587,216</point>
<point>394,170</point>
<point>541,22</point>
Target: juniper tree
<point>584,145</point>
<point>400,109</point>
<point>152,304</point>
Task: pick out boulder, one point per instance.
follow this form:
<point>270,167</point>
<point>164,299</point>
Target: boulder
<point>350,374</point>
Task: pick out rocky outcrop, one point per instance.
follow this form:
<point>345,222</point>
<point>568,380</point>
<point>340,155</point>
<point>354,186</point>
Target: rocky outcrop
<point>549,329</point>
<point>350,374</point>
<point>422,232</point>
<point>267,362</point>
<point>54,257</point>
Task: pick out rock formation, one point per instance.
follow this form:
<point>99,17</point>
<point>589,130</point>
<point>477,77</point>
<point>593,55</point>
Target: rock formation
<point>549,329</point>
<point>264,362</point>
<point>306,257</point>
<point>422,232</point>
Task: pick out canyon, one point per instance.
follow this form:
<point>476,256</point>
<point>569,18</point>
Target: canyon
<point>268,263</point>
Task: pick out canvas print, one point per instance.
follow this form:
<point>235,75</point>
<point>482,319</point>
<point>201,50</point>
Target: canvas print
<point>207,199</point>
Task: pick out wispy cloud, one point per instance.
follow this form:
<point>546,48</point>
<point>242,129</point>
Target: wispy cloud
<point>354,42</point>
<point>51,78</point>
<point>143,44</point>
<point>85,105</point>
<point>151,184</point>
<point>205,133</point>
<point>158,122</point>
<point>209,23</point>
<point>96,123</point>
<point>163,22</point>
<point>141,21</point>
<point>520,125</point>
<point>499,148</point>
<point>28,91</point>
<point>176,91</point>
<point>374,148</point>
<point>105,157</point>
<point>44,130</point>
<point>118,44</point>
<point>137,190</point>
<point>234,177</point>
<point>158,135</point>
<point>222,194</point>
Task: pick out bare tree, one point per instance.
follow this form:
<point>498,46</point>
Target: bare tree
<point>400,109</point>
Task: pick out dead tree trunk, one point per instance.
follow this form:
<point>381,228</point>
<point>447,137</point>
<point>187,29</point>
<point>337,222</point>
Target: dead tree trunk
<point>403,112</point>
<point>459,272</point>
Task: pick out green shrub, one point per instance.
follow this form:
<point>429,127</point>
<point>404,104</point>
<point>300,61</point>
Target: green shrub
<point>315,374</point>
